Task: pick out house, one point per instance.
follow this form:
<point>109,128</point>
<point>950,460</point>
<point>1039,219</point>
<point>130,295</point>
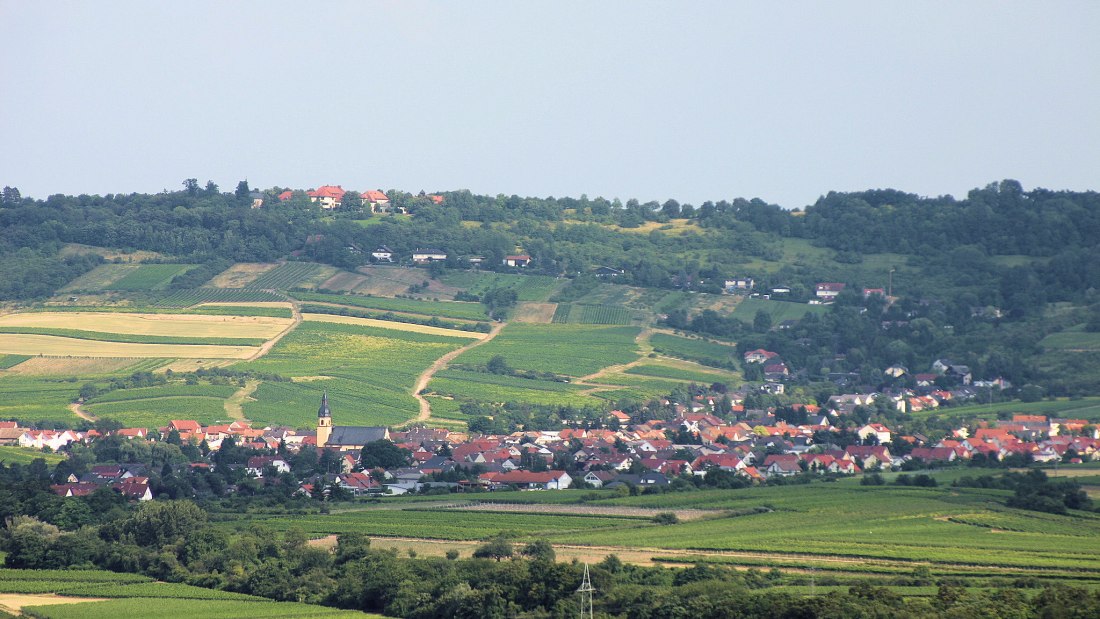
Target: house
<point>776,371</point>
<point>257,198</point>
<point>739,284</point>
<point>518,260</point>
<point>328,197</point>
<point>10,436</point>
<point>344,438</point>
<point>933,454</point>
<point>359,484</point>
<point>382,253</point>
<point>427,256</point>
<point>759,356</point>
<point>781,290</point>
<point>870,455</point>
<point>877,430</point>
<point>597,479</point>
<point>376,200</point>
<point>608,272</point>
<point>869,292</point>
<point>256,465</point>
<point>649,478</point>
<point>436,199</point>
<point>827,291</point>
<point>533,480</point>
<point>286,195</point>
<point>782,465</point>
<point>896,371</point>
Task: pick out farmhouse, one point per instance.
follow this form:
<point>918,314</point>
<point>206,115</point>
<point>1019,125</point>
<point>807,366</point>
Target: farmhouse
<point>345,438</point>
<point>382,254</point>
<point>427,256</point>
<point>827,291</point>
<point>518,260</point>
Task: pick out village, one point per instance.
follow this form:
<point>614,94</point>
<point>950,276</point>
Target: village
<point>700,441</point>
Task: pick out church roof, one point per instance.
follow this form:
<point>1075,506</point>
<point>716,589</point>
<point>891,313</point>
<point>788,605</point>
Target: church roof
<point>356,435</point>
<point>324,411</point>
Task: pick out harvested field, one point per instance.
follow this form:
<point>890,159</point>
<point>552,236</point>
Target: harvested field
<point>190,365</point>
<point>14,602</point>
<point>194,325</point>
<point>63,346</point>
<point>392,281</point>
<point>70,366</point>
<point>387,324</point>
<point>584,510</point>
<point>241,274</point>
<point>542,313</point>
<point>344,281</point>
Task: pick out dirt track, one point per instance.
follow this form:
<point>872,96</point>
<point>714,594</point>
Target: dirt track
<point>425,377</point>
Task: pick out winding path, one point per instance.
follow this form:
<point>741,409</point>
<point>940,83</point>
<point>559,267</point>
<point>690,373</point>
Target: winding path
<point>425,377</point>
<point>296,313</point>
<point>234,404</point>
<point>79,411</point>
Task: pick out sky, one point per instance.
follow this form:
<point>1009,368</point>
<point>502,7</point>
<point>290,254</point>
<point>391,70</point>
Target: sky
<point>650,100</point>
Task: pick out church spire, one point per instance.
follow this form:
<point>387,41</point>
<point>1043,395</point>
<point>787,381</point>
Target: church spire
<point>324,411</point>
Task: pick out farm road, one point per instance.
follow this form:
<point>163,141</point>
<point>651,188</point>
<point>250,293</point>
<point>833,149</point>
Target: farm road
<point>644,348</point>
<point>234,404</point>
<point>296,313</point>
<point>79,411</point>
<point>423,380</point>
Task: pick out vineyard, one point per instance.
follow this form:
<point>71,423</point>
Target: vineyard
<point>290,275</point>
<point>485,387</point>
<point>527,287</point>
<point>701,351</point>
<point>700,375</point>
<point>572,350</point>
<point>195,296</point>
<point>592,314</point>
<point>443,309</point>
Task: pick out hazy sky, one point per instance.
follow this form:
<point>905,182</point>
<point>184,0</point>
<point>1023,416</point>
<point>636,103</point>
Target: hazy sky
<point>690,100</point>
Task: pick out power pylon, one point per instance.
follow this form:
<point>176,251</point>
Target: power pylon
<point>586,589</point>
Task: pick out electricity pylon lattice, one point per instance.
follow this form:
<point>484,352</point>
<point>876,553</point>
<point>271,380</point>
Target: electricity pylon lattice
<point>586,589</point>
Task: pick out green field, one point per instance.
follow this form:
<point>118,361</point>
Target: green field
<point>443,524</point>
<point>443,309</point>
<point>1075,339</point>
<point>30,400</point>
<point>367,371</point>
<point>163,608</point>
<point>134,338</point>
<point>779,310</point>
<point>485,387</point>
<point>571,350</point>
<point>7,361</point>
<point>1083,408</point>
<point>527,287</point>
<point>187,298</point>
<point>150,277</point>
<point>592,314</point>
<point>154,407</point>
<point>11,455</point>
<point>693,349</point>
<point>678,373</point>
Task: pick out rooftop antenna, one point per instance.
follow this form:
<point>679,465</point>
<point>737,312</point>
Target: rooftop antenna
<point>586,589</point>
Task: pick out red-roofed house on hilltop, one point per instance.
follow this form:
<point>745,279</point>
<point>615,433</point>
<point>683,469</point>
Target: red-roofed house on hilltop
<point>759,356</point>
<point>286,195</point>
<point>327,197</point>
<point>376,200</point>
<point>518,260</point>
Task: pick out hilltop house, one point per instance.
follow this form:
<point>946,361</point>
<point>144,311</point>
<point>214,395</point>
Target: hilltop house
<point>328,197</point>
<point>519,260</point>
<point>828,291</point>
<point>427,256</point>
<point>382,254</point>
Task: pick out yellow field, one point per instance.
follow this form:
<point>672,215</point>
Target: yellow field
<point>542,313</point>
<point>396,326</point>
<point>21,344</point>
<point>69,366</point>
<point>241,274</point>
<point>193,325</point>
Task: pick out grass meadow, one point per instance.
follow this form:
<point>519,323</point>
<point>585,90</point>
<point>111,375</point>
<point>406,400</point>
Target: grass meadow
<point>706,352</point>
<point>779,310</point>
<point>527,287</point>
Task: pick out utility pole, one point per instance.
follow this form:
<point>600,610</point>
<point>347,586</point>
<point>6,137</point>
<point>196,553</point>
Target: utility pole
<point>890,283</point>
<point>586,589</point>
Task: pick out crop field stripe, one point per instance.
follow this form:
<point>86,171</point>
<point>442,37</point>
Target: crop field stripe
<point>7,361</point>
<point>389,324</point>
<point>186,325</point>
<point>443,309</point>
<point>131,338</point>
<point>62,346</point>
<point>187,298</point>
<point>150,276</point>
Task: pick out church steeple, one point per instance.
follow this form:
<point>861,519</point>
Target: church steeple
<point>324,421</point>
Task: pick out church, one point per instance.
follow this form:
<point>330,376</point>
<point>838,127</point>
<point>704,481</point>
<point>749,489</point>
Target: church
<point>345,438</point>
